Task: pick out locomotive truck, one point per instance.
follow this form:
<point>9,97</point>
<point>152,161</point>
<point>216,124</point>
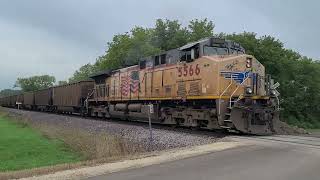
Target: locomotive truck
<point>209,84</point>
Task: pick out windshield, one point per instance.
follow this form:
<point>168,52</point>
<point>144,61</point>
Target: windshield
<point>208,51</point>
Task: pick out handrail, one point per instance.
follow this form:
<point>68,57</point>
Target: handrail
<point>225,90</point>
<point>88,96</point>
<point>236,90</point>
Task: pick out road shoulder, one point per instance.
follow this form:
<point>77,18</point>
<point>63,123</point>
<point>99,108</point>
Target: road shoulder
<point>151,159</point>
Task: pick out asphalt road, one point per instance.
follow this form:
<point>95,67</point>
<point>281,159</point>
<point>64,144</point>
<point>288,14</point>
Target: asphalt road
<point>280,157</point>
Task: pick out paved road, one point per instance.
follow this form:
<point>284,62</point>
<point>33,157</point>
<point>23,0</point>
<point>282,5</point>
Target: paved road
<point>280,157</point>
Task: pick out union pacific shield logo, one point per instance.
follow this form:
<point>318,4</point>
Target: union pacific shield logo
<point>239,77</point>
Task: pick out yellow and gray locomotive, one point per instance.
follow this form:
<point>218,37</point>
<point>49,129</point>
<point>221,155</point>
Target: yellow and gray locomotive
<point>210,84</point>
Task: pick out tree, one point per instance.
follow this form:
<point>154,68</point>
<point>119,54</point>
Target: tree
<point>200,29</point>
<point>126,49</point>
<point>9,92</point>
<point>83,73</point>
<point>62,83</point>
<point>34,83</point>
<point>169,34</point>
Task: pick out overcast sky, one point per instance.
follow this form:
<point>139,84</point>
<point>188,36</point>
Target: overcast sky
<point>57,37</point>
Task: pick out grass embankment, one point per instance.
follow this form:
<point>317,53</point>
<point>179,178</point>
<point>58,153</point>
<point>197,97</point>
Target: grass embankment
<point>38,147</point>
<point>21,147</point>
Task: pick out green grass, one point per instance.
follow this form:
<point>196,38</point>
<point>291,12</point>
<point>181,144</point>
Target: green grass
<point>314,130</point>
<point>24,148</point>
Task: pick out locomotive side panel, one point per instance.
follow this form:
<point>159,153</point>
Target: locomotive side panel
<point>169,82</point>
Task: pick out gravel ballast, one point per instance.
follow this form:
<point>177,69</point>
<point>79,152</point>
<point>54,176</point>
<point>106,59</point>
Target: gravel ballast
<point>163,137</point>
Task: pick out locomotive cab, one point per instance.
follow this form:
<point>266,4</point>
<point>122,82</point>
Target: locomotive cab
<point>246,100</point>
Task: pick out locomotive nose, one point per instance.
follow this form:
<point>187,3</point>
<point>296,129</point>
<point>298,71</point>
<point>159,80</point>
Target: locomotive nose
<point>253,117</point>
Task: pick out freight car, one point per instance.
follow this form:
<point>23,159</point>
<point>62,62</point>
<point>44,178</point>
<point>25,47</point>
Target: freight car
<point>4,101</point>
<point>43,99</point>
<point>209,84</point>
<point>13,100</point>
<point>10,101</point>
<point>71,97</point>
<point>20,98</point>
<point>28,100</point>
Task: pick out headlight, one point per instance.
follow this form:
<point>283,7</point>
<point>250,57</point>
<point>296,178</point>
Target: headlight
<point>249,62</point>
<point>249,90</point>
<point>273,92</point>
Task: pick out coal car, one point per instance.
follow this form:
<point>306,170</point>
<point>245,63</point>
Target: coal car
<point>71,97</point>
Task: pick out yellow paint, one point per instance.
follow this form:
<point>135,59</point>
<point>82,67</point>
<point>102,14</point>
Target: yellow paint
<point>188,97</point>
<point>180,81</point>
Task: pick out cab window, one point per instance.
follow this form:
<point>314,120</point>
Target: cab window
<point>209,51</point>
<point>186,55</point>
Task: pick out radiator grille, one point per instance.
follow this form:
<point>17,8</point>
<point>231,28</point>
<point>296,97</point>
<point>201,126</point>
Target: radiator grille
<point>181,89</point>
<point>194,89</point>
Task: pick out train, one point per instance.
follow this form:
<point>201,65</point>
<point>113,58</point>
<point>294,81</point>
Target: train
<point>209,84</point>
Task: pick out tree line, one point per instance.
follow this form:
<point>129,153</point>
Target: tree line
<point>298,75</point>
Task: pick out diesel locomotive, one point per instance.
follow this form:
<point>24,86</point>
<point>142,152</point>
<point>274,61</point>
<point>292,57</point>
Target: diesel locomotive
<point>210,84</point>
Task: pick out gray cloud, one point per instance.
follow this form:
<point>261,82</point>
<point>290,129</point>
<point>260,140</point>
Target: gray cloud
<point>57,37</point>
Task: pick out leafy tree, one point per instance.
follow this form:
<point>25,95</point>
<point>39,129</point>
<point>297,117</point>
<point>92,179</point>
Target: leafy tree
<point>35,82</point>
<point>200,29</point>
<point>83,73</point>
<point>9,92</point>
<point>126,49</point>
<point>62,83</point>
<point>169,34</point>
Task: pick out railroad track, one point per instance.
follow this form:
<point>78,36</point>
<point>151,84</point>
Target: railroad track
<point>154,125</point>
<point>159,126</point>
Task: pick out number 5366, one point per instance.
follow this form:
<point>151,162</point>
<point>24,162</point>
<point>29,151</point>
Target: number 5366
<point>188,69</point>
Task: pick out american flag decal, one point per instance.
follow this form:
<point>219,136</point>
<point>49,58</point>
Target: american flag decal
<point>124,85</point>
<point>130,83</point>
<point>134,81</point>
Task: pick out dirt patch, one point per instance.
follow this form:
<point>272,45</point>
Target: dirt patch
<point>283,128</point>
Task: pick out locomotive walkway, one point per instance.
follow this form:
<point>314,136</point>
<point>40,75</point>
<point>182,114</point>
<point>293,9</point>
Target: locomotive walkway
<point>276,157</point>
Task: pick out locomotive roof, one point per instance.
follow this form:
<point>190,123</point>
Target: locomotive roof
<point>213,41</point>
<point>189,45</point>
<point>175,53</point>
